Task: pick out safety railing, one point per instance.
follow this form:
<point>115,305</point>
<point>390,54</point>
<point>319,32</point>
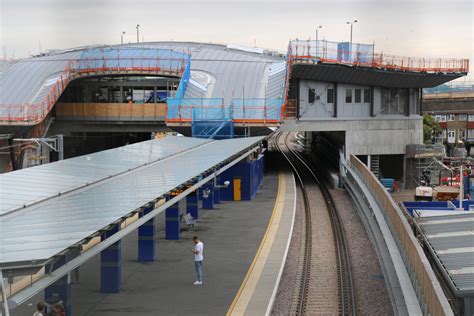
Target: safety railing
<point>258,111</point>
<point>365,56</point>
<point>180,110</point>
<point>98,61</point>
<point>421,273</point>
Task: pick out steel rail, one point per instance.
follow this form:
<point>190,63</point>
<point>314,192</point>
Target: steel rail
<point>345,284</point>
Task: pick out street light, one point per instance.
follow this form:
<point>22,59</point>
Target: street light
<point>351,23</point>
<point>138,33</point>
<point>317,29</point>
<point>121,37</point>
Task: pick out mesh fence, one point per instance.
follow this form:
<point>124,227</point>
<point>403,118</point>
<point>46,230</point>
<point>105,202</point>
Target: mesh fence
<point>194,109</point>
<point>364,55</point>
<point>130,58</point>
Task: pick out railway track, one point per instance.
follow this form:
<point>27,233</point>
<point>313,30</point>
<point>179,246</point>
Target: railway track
<point>325,278</point>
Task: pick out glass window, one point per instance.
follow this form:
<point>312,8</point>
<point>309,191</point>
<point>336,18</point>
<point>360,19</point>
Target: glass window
<point>471,118</point>
<point>462,134</point>
<point>470,133</point>
<point>462,117</point>
<point>330,96</point>
<point>311,95</point>
<point>442,118</point>
<point>451,117</point>
<point>348,95</point>
<point>357,95</point>
<point>366,95</point>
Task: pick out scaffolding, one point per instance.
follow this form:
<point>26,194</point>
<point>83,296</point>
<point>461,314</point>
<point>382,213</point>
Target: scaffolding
<point>423,161</point>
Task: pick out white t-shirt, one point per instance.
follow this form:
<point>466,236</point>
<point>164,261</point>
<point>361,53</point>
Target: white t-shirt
<point>199,247</point>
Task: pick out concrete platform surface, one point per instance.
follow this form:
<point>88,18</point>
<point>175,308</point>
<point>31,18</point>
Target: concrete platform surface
<point>231,234</point>
<point>259,288</point>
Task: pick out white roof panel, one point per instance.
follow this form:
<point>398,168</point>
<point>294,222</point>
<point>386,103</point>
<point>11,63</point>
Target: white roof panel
<point>40,231</point>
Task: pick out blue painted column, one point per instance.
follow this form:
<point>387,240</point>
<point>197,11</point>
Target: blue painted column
<point>59,290</point>
<point>192,206</point>
<point>146,239</point>
<point>208,202</point>
<point>111,264</point>
<point>172,227</point>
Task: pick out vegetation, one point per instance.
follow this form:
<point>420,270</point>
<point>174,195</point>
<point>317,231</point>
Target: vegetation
<point>430,128</point>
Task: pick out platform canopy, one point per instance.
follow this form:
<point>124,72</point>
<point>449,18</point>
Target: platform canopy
<point>47,209</point>
<point>451,241</point>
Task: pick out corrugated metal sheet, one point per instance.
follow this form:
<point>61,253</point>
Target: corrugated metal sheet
<point>28,80</point>
<point>451,240</point>
<point>236,72</point>
<point>31,185</point>
<point>40,231</point>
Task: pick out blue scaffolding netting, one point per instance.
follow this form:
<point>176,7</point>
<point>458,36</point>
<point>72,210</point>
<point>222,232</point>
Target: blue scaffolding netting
<point>187,109</point>
<point>131,57</point>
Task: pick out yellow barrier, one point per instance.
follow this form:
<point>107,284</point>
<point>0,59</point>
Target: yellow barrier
<point>415,259</point>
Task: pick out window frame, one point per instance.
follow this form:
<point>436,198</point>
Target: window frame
<point>360,95</point>
<point>313,91</point>
<point>349,96</point>
<point>451,117</point>
<point>470,133</point>
<point>330,100</point>
<point>366,93</point>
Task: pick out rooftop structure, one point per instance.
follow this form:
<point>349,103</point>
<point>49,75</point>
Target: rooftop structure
<point>96,190</point>
<point>450,241</point>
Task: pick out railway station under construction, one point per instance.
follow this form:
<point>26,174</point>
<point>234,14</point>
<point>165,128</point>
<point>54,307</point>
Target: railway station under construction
<point>286,165</point>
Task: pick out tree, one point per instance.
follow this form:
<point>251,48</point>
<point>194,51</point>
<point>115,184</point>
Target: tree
<point>430,128</point>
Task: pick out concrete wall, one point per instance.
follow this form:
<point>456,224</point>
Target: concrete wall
<point>321,108</point>
<point>368,137</point>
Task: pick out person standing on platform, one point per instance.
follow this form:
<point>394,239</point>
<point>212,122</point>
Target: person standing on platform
<point>39,309</point>
<point>198,258</point>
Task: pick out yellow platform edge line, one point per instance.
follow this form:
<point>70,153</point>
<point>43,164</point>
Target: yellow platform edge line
<point>243,287</point>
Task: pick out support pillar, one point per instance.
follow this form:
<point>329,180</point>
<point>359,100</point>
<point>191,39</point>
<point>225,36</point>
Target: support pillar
<point>172,226</point>
<point>208,196</point>
<point>192,206</point>
<point>146,239</point>
<point>59,291</point>
<point>111,264</point>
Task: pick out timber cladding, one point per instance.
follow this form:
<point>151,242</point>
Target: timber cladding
<point>111,111</point>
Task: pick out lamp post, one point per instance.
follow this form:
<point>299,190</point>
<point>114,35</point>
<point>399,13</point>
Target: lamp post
<point>317,29</point>
<point>350,43</point>
<point>138,33</point>
<point>121,37</point>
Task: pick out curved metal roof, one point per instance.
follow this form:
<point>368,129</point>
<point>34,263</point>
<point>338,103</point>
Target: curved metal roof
<point>231,72</point>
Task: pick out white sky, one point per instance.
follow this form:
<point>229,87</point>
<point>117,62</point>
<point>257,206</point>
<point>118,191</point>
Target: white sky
<point>424,28</point>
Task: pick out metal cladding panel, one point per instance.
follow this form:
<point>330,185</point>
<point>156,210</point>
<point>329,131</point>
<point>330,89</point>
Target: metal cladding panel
<point>369,76</point>
<point>27,186</point>
<point>40,231</point>
<point>451,240</point>
<point>25,80</point>
<point>236,72</point>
